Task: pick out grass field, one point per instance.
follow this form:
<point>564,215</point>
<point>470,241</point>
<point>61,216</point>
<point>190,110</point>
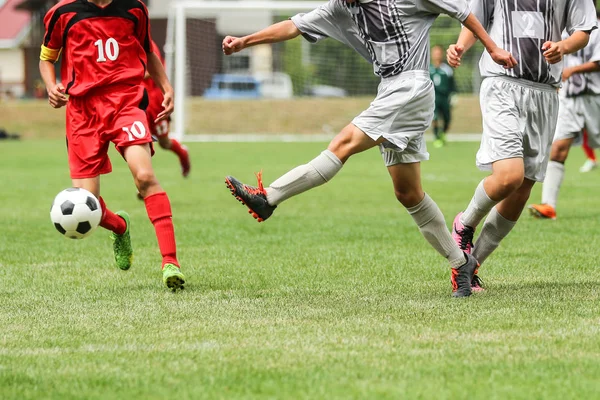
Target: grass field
<point>337,296</point>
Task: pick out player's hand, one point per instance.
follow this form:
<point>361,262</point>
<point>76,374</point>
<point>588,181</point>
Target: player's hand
<point>567,73</point>
<point>57,97</point>
<point>232,45</point>
<point>454,54</point>
<point>503,57</point>
<point>553,52</point>
<point>168,106</point>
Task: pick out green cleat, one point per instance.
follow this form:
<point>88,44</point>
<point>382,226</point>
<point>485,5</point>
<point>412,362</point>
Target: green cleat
<point>122,245</point>
<point>173,277</point>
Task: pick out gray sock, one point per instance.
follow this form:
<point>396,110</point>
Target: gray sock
<point>431,223</point>
<point>555,172</point>
<point>480,205</point>
<point>305,177</point>
<point>495,228</point>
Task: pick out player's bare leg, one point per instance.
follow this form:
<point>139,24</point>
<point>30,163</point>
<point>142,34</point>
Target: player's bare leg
<point>118,223</point>
<point>262,201</point>
<point>139,159</point>
<point>555,173</point>
<point>430,220</point>
<point>501,220</point>
<point>180,150</point>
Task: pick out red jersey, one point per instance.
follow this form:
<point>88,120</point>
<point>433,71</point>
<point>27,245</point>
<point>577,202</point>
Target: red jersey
<point>101,46</point>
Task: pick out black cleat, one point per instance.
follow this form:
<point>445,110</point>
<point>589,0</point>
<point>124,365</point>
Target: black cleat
<point>255,198</point>
<point>462,277</point>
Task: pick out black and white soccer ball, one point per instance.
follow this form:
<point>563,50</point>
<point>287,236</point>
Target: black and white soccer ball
<point>76,213</point>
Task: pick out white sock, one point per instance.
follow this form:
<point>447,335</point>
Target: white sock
<point>495,228</point>
<point>305,177</point>
<point>555,172</point>
<point>431,223</point>
<point>480,205</point>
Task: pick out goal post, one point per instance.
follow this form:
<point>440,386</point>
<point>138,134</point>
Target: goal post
<point>284,88</point>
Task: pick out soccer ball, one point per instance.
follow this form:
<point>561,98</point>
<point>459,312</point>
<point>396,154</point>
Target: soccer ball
<point>75,213</point>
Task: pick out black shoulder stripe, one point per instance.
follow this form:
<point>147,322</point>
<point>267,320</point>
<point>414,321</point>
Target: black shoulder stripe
<point>75,7</point>
<point>93,13</point>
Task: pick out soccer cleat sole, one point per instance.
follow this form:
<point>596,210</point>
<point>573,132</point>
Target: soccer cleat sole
<point>234,194</point>
<point>174,282</point>
<point>536,214</point>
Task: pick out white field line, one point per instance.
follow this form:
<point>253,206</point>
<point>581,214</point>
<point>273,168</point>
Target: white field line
<point>297,138</point>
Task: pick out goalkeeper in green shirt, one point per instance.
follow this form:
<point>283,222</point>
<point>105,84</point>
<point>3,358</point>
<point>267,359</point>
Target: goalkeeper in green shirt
<point>442,76</point>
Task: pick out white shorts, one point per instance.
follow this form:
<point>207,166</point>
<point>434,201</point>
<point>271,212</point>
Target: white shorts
<point>519,120</point>
<point>576,114</point>
<point>401,113</point>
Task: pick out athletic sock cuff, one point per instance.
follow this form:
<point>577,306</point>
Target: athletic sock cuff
<point>326,164</point>
<point>158,206</point>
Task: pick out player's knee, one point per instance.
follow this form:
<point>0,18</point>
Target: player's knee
<point>559,152</point>
<point>145,179</point>
<point>408,197</point>
<point>503,185</point>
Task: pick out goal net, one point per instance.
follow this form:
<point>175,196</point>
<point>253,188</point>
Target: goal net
<point>287,88</point>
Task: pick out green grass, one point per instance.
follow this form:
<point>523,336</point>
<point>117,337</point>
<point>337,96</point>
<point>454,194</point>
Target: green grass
<point>337,296</point>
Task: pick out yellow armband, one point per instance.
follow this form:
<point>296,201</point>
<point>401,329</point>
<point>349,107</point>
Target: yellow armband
<point>49,54</point>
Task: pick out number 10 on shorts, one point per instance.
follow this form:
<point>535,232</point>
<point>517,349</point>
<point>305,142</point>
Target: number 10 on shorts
<point>136,131</point>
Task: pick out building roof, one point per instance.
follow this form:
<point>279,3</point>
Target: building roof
<point>14,24</point>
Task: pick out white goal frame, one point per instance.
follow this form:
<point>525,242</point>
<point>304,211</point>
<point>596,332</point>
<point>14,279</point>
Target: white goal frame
<point>175,48</point>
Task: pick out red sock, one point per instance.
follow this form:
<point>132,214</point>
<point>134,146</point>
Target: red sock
<point>159,212</point>
<point>111,221</point>
<point>589,152</point>
<point>176,148</point>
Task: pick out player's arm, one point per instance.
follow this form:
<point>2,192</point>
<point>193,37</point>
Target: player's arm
<point>554,51</point>
<point>472,31</point>
<point>56,92</point>
<point>591,66</point>
<point>49,54</point>
<point>278,32</point>
<point>158,74</point>
<point>580,22</point>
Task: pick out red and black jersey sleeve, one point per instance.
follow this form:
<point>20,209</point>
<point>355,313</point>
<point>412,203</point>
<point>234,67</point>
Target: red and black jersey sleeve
<point>53,38</point>
<point>142,30</point>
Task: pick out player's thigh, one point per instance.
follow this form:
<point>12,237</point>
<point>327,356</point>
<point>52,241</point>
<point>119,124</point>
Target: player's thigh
<point>130,127</point>
<point>87,149</point>
<point>504,122</point>
<point>539,131</point>
<point>92,185</point>
<point>402,109</point>
<point>351,140</point>
<point>139,159</point>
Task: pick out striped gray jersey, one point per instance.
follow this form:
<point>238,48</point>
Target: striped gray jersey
<point>522,27</point>
<point>391,34</point>
<point>589,83</point>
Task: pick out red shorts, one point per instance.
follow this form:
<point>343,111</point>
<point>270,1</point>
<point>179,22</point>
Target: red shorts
<point>155,107</point>
<point>112,114</point>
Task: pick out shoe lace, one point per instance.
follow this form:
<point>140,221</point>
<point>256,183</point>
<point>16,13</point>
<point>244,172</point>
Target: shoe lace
<point>476,281</point>
<point>259,189</point>
<point>453,275</point>
<point>466,237</point>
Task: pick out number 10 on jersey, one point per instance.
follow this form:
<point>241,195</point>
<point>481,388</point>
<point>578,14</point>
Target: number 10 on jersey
<point>109,49</point>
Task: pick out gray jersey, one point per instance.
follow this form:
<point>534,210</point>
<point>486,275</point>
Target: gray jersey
<point>522,27</point>
<point>392,34</point>
<point>589,83</point>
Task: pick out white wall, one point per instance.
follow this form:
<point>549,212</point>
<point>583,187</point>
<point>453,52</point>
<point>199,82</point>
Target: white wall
<point>12,71</point>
